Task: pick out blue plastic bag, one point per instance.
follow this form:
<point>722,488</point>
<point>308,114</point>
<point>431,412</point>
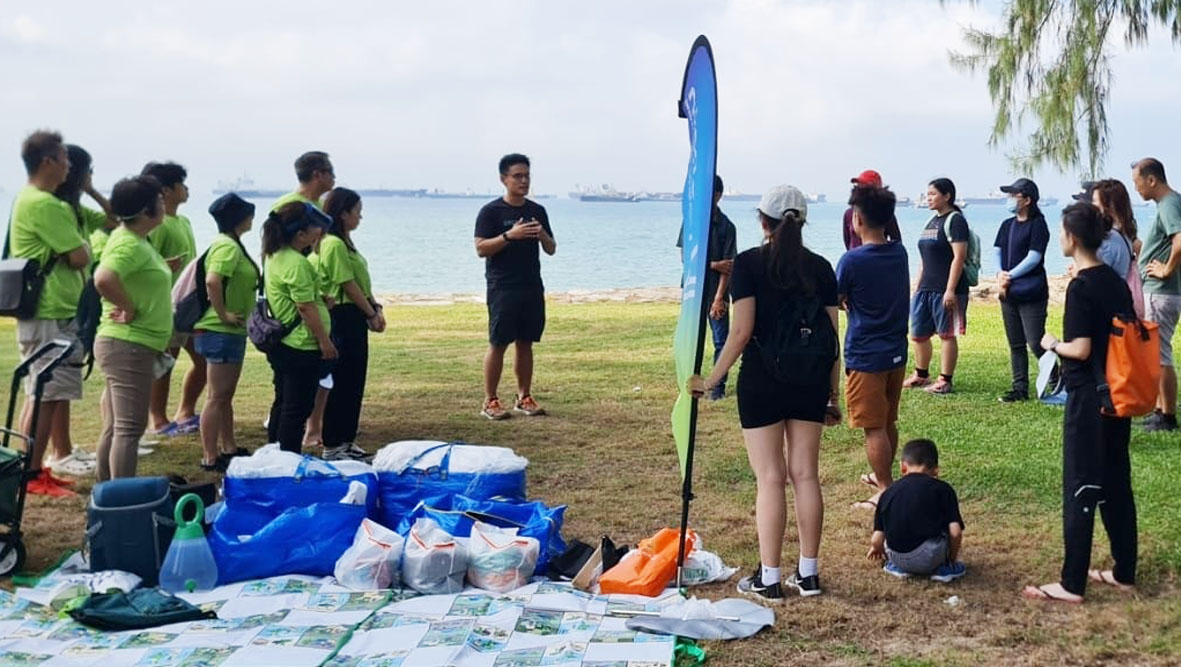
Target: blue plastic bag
<point>456,514</point>
<point>315,481</point>
<point>300,540</point>
<point>401,491</point>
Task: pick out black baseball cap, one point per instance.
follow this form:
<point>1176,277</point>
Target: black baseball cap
<point>1085,195</point>
<point>1022,186</point>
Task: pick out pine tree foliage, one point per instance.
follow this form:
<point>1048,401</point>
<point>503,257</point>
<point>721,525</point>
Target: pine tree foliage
<point>1049,68</point>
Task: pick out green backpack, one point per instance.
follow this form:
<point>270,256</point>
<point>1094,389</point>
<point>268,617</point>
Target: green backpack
<point>972,263</point>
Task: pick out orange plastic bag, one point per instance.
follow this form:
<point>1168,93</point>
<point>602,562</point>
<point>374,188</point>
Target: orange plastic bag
<point>1133,368</point>
<point>650,568</point>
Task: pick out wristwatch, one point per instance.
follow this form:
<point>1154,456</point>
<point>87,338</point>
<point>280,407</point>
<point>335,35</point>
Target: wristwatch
<point>504,235</point>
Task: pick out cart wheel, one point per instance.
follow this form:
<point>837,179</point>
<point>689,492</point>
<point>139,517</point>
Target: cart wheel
<point>13,558</point>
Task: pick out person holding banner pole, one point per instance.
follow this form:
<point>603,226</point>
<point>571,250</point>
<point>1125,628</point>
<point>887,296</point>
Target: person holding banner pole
<point>787,384</point>
<point>723,246</point>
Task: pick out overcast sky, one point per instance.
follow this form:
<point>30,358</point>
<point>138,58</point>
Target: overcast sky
<point>431,94</point>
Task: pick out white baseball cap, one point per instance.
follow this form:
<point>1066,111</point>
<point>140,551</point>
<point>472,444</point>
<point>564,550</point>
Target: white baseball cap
<point>781,199</point>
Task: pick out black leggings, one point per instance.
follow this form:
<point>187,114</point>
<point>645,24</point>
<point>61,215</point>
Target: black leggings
<point>1096,472</point>
<point>342,414</point>
<point>297,375</point>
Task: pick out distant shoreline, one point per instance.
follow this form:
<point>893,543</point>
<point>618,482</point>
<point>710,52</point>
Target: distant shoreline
<point>985,291</point>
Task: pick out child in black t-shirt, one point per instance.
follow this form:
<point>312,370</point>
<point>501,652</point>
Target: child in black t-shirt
<point>918,529</point>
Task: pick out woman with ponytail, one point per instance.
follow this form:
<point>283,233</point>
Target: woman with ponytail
<point>779,290</point>
<point>293,292</point>
<point>344,277</point>
<point>1096,469</point>
<point>940,305</point>
<point>231,281</point>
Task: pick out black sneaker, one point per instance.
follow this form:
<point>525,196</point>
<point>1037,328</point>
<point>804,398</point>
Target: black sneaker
<point>807,586</point>
<point>752,586</point>
<point>1013,396</point>
<point>1160,422</point>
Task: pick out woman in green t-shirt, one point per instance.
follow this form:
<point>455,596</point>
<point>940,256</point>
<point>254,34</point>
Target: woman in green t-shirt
<point>219,337</point>
<point>92,224</point>
<point>344,277</point>
<point>293,292</point>
<point>135,285</point>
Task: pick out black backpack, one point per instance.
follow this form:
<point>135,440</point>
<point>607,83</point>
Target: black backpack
<point>802,345</point>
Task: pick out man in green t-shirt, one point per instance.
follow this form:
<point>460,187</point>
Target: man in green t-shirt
<point>1159,260</point>
<point>173,239</point>
<point>44,228</point>
<point>316,178</point>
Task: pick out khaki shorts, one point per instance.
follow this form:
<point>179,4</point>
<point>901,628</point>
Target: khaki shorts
<point>66,383</point>
<point>872,398</point>
<point>1164,309</point>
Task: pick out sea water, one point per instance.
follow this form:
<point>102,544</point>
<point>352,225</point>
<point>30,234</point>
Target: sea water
<point>425,246</point>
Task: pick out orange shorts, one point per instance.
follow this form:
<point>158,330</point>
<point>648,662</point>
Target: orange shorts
<point>872,398</point>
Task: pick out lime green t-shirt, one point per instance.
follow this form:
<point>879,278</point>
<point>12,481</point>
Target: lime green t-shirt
<point>174,238</point>
<point>148,282</point>
<point>98,241</point>
<point>91,220</point>
<point>42,227</point>
<point>290,197</point>
<point>338,265</point>
<point>290,279</point>
<point>226,259</point>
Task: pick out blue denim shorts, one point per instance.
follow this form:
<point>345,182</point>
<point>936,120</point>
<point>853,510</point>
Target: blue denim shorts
<point>929,317</point>
<point>220,348</point>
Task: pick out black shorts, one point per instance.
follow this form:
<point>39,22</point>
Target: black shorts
<point>515,314</point>
<point>762,401</point>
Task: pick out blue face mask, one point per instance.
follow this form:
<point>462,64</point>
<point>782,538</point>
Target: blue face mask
<point>1012,204</point>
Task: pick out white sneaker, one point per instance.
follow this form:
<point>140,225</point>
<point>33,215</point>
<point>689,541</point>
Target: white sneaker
<point>83,455</point>
<point>148,442</point>
<point>71,466</point>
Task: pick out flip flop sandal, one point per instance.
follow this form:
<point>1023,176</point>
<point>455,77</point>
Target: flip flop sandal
<point>1108,577</point>
<point>1039,594</point>
<point>869,480</point>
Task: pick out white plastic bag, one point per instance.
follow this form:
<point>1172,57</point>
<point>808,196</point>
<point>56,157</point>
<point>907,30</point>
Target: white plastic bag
<point>498,559</point>
<point>704,567</point>
<point>270,461</point>
<point>395,456</point>
<point>374,560</point>
<point>433,562</point>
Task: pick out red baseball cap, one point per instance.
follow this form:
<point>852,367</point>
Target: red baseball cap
<point>869,177</point>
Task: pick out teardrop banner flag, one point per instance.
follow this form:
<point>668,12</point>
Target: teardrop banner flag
<point>698,105</point>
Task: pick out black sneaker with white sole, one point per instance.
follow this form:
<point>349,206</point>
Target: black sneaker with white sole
<point>806,586</point>
<point>753,586</point>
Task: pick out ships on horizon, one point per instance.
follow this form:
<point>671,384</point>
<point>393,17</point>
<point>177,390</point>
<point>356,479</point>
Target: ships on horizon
<point>607,193</point>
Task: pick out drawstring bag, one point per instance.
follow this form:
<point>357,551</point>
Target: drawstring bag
<point>139,609</point>
<point>499,560</point>
<point>373,561</point>
<point>433,562</point>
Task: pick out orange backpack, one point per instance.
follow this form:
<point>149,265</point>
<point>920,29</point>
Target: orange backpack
<point>1133,368</point>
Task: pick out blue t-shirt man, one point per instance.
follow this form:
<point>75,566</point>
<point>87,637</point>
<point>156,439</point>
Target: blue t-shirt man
<point>874,280</point>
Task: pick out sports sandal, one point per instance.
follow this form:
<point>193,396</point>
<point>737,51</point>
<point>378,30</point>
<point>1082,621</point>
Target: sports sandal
<point>940,388</point>
<point>916,382</point>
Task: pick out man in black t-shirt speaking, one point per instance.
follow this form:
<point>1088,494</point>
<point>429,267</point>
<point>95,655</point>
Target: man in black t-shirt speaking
<point>509,232</point>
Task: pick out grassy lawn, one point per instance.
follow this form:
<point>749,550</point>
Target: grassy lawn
<point>605,375</point>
